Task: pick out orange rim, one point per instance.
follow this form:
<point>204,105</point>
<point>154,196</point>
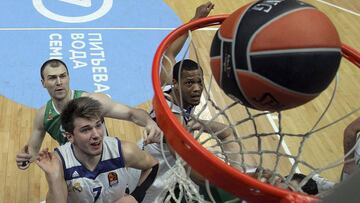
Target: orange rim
<point>220,174</point>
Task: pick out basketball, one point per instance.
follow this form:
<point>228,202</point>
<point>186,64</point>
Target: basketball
<point>275,55</point>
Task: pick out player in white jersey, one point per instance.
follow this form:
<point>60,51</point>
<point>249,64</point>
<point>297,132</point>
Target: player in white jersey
<point>190,87</point>
<point>183,89</point>
<point>91,167</point>
<point>158,189</point>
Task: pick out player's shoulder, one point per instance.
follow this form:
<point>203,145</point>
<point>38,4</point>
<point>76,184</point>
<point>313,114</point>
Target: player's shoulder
<point>84,94</point>
<point>97,96</point>
<point>41,111</point>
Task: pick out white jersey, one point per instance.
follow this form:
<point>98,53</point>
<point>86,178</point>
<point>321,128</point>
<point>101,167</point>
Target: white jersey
<point>164,175</point>
<point>174,108</point>
<point>106,183</point>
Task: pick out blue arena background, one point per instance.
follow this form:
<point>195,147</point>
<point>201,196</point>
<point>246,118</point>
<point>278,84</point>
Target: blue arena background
<point>111,53</point>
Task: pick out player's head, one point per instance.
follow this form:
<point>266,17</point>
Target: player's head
<point>188,81</point>
<point>82,120</point>
<point>52,63</point>
<point>310,186</point>
<point>55,78</point>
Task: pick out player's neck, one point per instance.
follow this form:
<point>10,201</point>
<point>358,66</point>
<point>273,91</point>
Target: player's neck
<point>60,103</point>
<point>89,161</point>
<point>176,99</point>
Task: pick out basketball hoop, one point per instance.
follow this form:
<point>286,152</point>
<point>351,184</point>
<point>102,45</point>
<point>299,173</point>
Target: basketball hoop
<point>198,157</point>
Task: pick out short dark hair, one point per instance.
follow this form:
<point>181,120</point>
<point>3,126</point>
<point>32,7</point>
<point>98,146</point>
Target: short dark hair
<point>53,63</point>
<point>82,107</point>
<point>310,186</point>
<point>186,64</point>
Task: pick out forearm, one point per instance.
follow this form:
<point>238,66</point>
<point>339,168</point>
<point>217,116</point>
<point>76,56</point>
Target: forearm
<point>226,136</point>
<point>146,179</point>
<point>34,144</point>
<point>57,190</point>
<point>140,117</point>
<point>201,11</point>
<point>144,174</point>
<point>37,134</point>
<point>170,56</point>
<point>232,152</point>
<point>169,59</point>
<point>220,130</point>
<point>176,46</point>
<point>34,148</point>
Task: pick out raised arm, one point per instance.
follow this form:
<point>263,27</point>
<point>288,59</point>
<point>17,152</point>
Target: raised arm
<point>138,159</point>
<point>140,117</point>
<point>174,49</point>
<point>350,136</point>
<point>222,132</point>
<point>29,152</point>
<point>50,163</point>
<point>225,135</point>
<point>220,129</point>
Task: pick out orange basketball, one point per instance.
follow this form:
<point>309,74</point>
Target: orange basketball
<point>275,55</point>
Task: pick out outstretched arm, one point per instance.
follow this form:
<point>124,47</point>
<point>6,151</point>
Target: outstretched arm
<point>222,132</point>
<point>350,136</point>
<point>225,135</point>
<point>29,152</point>
<point>51,165</point>
<point>138,159</point>
<point>140,117</point>
<point>173,50</point>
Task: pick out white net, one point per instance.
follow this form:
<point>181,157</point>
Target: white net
<point>272,147</point>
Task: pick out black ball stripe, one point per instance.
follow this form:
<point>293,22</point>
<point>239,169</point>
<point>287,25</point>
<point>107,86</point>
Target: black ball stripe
<point>252,21</point>
<point>320,65</point>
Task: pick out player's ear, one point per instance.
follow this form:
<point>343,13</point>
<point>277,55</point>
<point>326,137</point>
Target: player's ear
<point>175,83</point>
<point>42,82</point>
<point>69,136</point>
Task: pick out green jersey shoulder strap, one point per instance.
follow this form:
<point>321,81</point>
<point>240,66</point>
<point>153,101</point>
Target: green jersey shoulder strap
<point>52,122</point>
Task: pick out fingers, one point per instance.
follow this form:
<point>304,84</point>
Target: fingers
<point>145,138</point>
<point>44,159</point>
<point>23,158</point>
<point>203,10</point>
<point>191,122</point>
<point>44,155</point>
<point>26,149</point>
<point>149,136</point>
<point>209,5</point>
<point>194,125</point>
<point>153,135</point>
<point>22,163</point>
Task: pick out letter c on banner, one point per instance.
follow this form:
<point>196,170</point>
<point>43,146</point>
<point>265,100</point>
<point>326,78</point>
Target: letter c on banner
<point>41,8</point>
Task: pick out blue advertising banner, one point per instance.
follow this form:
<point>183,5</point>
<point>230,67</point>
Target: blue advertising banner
<point>108,46</point>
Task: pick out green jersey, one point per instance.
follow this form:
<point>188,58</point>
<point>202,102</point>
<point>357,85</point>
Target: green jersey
<point>52,122</point>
